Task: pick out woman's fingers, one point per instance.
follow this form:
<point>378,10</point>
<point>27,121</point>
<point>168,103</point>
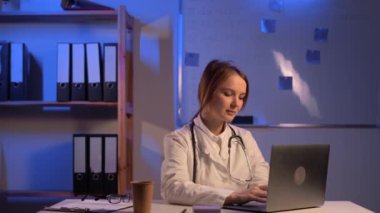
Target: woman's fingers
<point>259,192</point>
<point>263,187</point>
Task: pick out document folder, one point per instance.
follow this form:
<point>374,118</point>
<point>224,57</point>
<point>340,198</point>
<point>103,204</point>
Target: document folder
<point>63,72</point>
<point>80,164</point>
<point>110,164</point>
<point>4,71</point>
<point>110,73</point>
<point>19,72</point>
<point>96,165</point>
<point>78,89</point>
<point>94,86</point>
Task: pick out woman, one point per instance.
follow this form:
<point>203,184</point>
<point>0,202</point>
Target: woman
<point>199,167</point>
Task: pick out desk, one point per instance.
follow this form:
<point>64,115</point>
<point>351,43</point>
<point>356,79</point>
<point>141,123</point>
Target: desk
<point>329,207</point>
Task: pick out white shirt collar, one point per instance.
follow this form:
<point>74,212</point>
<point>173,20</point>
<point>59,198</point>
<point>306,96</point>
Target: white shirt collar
<point>221,138</point>
<point>198,122</point>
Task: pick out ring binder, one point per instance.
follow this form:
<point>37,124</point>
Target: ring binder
<point>110,73</point>
<point>63,72</point>
<point>80,164</point>
<point>19,71</point>
<point>78,89</point>
<point>94,86</point>
<point>4,71</point>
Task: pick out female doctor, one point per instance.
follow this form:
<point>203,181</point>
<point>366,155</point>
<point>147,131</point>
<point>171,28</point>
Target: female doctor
<point>210,161</point>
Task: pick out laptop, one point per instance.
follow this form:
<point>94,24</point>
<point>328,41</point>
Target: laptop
<point>297,179</point>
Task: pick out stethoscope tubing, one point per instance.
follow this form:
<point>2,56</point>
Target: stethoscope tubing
<point>233,136</point>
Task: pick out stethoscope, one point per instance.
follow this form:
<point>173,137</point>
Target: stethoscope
<point>235,137</point>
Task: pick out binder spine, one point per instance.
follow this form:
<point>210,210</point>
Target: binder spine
<point>78,88</point>
<point>110,164</point>
<point>93,59</point>
<point>80,171</point>
<point>110,72</point>
<point>4,71</point>
<point>63,71</point>
<point>96,156</point>
<point>19,72</point>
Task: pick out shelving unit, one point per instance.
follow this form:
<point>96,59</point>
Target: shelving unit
<point>123,23</point>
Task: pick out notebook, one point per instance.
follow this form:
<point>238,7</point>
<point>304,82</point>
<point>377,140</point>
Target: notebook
<point>297,179</point>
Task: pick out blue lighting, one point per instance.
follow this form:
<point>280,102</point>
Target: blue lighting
<point>56,108</point>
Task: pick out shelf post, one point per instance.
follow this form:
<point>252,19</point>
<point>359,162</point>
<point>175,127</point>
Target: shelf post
<point>122,101</point>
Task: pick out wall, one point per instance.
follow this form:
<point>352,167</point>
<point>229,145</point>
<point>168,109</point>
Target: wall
<point>346,73</point>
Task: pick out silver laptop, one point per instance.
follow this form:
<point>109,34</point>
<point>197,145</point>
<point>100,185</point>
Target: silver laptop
<point>297,179</point>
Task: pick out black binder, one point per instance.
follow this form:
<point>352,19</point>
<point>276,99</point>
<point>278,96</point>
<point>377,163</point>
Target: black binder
<point>82,5</point>
<point>63,71</point>
<point>80,179</point>
<point>4,71</point>
<point>243,119</point>
<point>94,86</point>
<point>78,89</point>
<point>110,164</point>
<point>19,72</point>
<point>110,73</point>
<point>96,157</point>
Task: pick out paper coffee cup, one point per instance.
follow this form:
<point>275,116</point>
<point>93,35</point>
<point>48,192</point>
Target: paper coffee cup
<point>142,195</point>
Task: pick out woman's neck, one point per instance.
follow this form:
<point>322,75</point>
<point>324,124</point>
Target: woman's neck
<point>215,126</point>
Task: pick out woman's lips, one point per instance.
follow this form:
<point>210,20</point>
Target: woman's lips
<point>231,112</point>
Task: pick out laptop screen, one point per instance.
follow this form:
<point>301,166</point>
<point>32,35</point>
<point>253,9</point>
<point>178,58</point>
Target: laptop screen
<point>297,178</point>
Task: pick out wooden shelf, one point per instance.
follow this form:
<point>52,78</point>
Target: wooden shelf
<point>68,103</point>
<point>64,17</point>
<point>36,193</point>
<point>59,16</point>
<point>123,24</point>
<point>123,27</point>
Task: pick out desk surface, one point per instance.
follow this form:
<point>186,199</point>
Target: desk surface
<point>328,207</point>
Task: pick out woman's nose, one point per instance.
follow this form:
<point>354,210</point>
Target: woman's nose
<point>234,102</point>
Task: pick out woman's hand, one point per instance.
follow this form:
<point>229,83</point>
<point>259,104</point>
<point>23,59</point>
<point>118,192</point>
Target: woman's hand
<point>253,193</point>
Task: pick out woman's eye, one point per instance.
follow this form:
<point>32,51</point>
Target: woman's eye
<point>227,93</point>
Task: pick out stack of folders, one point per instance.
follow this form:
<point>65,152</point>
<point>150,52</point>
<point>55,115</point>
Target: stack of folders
<point>95,164</point>
<point>83,75</point>
<point>14,71</point>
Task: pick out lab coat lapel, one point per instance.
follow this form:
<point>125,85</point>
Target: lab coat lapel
<point>204,137</point>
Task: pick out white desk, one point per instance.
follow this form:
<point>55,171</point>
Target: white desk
<point>159,206</point>
<point>328,207</point>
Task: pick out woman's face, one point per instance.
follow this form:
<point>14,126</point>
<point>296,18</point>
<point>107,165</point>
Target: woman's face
<point>227,100</point>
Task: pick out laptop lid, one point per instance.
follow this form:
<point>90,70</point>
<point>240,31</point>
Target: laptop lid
<point>297,178</point>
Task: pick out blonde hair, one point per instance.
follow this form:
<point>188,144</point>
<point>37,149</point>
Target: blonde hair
<point>213,75</point>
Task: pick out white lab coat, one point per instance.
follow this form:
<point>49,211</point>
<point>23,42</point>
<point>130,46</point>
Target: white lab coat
<point>213,183</point>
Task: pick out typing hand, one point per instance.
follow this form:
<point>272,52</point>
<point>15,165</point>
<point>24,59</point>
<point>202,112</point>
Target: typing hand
<point>253,193</point>
<point>258,192</point>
